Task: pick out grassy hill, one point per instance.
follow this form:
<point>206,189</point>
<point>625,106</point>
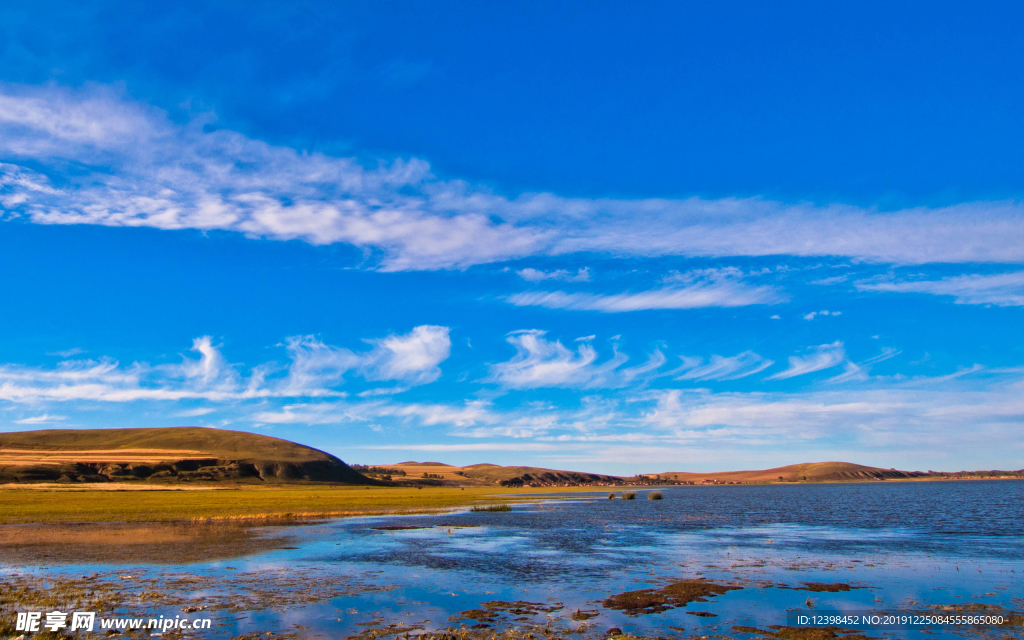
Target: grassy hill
<point>174,454</point>
<point>806,472</point>
<point>492,474</point>
<point>515,476</point>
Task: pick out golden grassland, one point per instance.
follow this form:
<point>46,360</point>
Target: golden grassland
<point>52,504</point>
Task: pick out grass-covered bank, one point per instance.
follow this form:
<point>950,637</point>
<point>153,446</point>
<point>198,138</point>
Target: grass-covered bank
<point>54,505</point>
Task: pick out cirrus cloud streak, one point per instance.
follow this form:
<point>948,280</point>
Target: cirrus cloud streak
<point>90,156</point>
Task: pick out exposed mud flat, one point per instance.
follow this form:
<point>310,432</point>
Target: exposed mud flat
<point>676,594</point>
<point>134,543</point>
<point>132,593</point>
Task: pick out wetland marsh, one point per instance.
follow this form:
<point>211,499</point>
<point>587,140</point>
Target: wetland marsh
<point>726,562</point>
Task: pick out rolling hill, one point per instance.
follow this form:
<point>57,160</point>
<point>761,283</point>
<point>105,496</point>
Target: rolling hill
<point>203,455</point>
<point>492,474</point>
<point>806,472</point>
<point>516,476</point>
<point>170,455</point>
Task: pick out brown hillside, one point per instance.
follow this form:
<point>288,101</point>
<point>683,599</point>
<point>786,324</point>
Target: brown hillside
<point>806,472</point>
<point>174,454</point>
<point>492,474</point>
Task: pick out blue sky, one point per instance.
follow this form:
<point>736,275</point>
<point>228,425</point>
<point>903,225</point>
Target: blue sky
<point>601,236</point>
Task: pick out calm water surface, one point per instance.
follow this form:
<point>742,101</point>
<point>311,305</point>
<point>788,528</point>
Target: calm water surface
<point>902,546</point>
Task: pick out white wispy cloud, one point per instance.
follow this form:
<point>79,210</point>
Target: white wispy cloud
<point>316,367</point>
<point>831,280</point>
<point>135,167</point>
<point>922,414</point>
<point>194,413</point>
<point>315,370</point>
<point>536,275</point>
<point>723,368</point>
<point>878,417</point>
<point>210,366</point>
<point>341,411</point>
<point>107,381</point>
<point>413,359</point>
<point>746,416</point>
<point>543,363</point>
<point>319,413</point>
<point>825,312</point>
<point>695,289</point>
<point>43,419</point>
<point>1000,289</point>
<point>859,371</point>
<point>494,446</point>
<point>822,357</point>
<point>540,362</point>
<point>871,419</point>
<point>67,353</point>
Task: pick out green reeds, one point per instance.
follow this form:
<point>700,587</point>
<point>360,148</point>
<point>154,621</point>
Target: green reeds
<point>492,507</point>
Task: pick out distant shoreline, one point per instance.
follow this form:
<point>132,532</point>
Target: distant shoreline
<point>36,504</point>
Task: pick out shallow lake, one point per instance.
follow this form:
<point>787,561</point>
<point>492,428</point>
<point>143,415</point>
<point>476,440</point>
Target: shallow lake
<point>921,548</point>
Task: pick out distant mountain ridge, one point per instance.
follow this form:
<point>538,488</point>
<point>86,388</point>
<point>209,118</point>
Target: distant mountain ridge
<point>437,473</point>
<point>168,454</point>
<point>202,454</point>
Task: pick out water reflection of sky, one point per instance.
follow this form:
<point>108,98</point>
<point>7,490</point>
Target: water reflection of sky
<point>903,545</point>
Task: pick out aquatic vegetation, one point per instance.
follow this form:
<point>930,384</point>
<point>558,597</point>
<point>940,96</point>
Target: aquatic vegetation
<point>655,495</point>
<point>485,631</point>
<point>805,633</point>
<point>493,611</point>
<point>824,587</point>
<point>1012,620</point>
<point>114,593</point>
<point>676,594</point>
<point>611,496</point>
<point>523,608</point>
<point>492,508</point>
<point>629,495</point>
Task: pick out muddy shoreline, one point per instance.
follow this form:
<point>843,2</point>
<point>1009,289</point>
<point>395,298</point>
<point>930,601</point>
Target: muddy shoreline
<point>131,593</point>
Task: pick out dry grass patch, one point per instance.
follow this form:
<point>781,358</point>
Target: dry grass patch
<point>244,503</point>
